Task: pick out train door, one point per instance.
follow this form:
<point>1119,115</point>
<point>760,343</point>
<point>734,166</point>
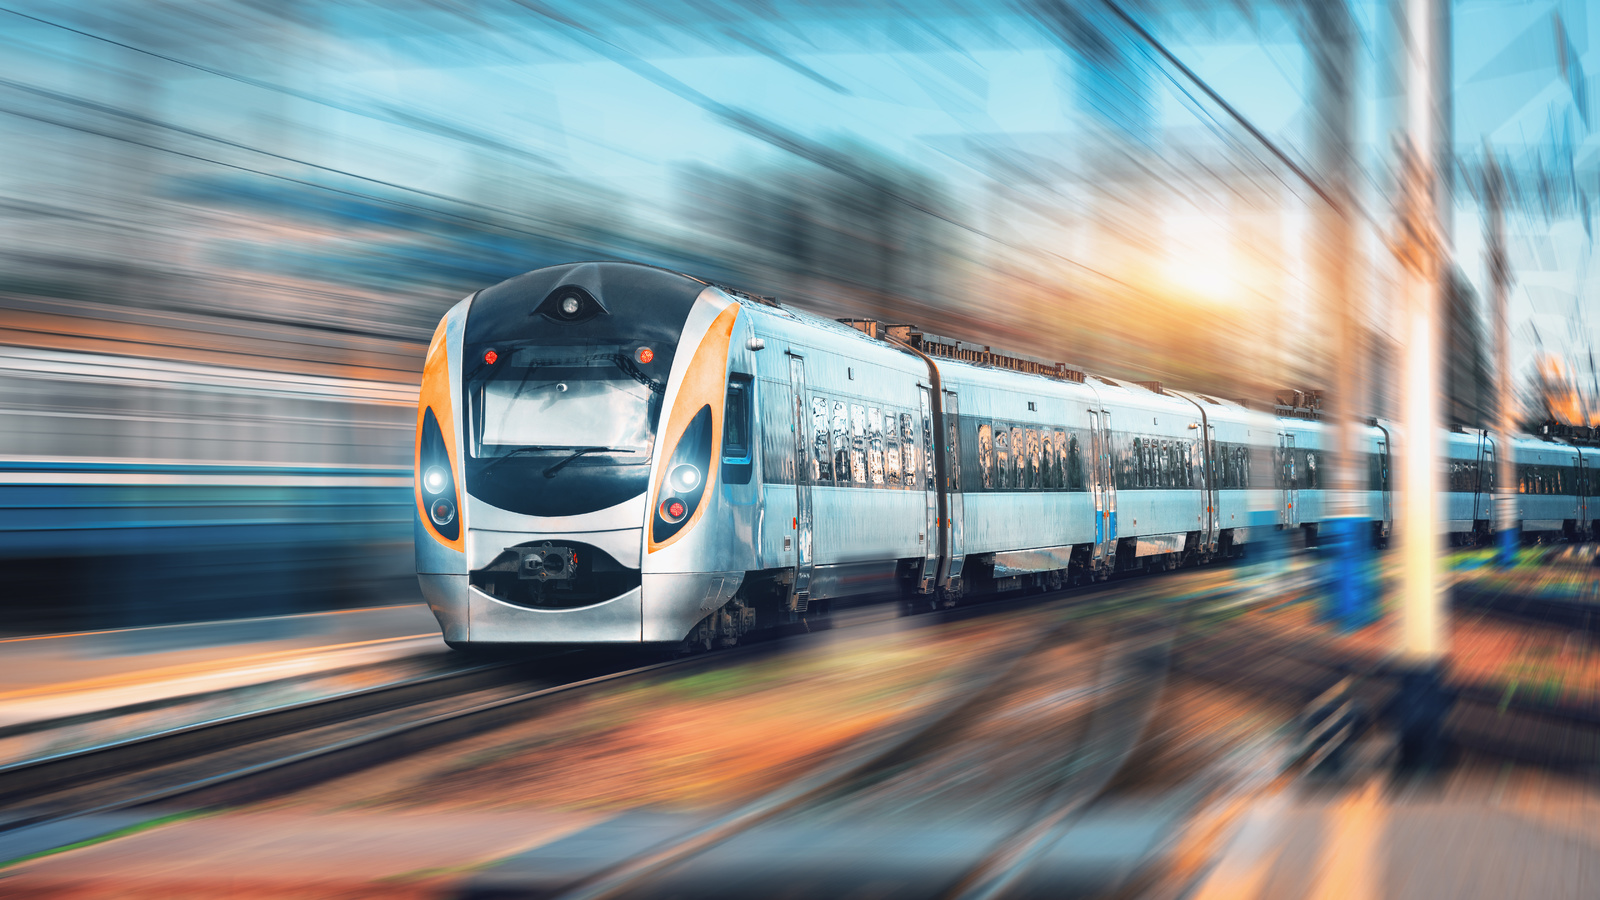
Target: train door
<point>930,485</point>
<point>1290,493</point>
<point>952,458</point>
<point>1212,505</point>
<point>1110,483</point>
<point>803,561</point>
<point>1581,475</point>
<point>1383,485</point>
<point>1101,488</point>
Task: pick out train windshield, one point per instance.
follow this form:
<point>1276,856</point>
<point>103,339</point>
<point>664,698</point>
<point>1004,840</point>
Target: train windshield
<point>560,430</point>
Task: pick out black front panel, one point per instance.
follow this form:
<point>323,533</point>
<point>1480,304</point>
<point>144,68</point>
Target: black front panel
<point>554,575</point>
<point>563,375</point>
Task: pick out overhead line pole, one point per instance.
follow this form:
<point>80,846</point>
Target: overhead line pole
<point>1330,40</point>
<point>1505,476</point>
<point>1421,245</point>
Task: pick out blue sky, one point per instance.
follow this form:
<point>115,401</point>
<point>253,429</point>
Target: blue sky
<point>624,94</point>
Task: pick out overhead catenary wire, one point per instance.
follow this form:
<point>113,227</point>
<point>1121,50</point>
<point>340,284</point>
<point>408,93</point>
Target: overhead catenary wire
<point>1272,147</point>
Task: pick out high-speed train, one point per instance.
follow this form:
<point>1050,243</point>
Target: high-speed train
<point>609,452</point>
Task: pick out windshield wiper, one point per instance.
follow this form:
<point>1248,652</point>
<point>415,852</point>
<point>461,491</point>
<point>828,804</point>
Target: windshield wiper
<point>517,452</point>
<point>579,451</point>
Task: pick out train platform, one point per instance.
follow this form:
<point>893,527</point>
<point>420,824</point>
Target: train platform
<point>64,691</point>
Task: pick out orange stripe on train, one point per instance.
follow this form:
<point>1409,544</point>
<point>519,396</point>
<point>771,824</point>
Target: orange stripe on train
<point>435,393</point>
<point>704,382</point>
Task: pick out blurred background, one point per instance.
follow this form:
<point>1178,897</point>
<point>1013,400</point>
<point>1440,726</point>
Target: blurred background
<point>227,230</point>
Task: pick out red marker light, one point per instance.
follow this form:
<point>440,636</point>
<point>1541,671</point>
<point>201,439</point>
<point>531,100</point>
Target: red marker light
<point>491,357</point>
<point>645,355</point>
<point>675,509</point>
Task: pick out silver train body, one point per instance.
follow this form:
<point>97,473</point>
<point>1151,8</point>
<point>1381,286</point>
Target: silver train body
<point>612,453</point>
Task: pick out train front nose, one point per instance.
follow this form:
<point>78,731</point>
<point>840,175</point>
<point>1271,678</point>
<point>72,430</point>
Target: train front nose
<point>553,588</point>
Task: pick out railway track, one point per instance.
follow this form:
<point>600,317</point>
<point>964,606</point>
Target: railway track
<point>242,758</point>
<point>882,787</point>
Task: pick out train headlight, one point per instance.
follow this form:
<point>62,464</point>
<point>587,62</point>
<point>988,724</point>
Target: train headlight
<point>442,511</point>
<point>683,482</point>
<point>685,477</point>
<point>569,304</point>
<point>435,480</point>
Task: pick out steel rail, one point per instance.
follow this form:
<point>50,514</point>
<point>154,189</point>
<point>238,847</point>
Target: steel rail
<point>50,777</point>
<point>43,775</point>
<point>902,745</point>
<point>904,742</point>
<point>1115,729</point>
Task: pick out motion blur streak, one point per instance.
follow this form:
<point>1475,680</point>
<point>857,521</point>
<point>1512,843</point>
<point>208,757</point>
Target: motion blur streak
<point>228,229</point>
<point>224,238</point>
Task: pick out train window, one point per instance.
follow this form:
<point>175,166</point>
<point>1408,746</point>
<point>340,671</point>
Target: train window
<point>1002,458</point>
<point>874,446</point>
<point>821,449</point>
<point>1074,464</point>
<point>986,455</point>
<point>1034,461</point>
<point>1058,460</point>
<point>858,443</point>
<point>908,450</point>
<point>1019,458</point>
<point>1049,472</point>
<point>736,420</point>
<point>1312,477</point>
<point>841,444</point>
<point>927,443</point>
<point>891,448</point>
<point>736,443</point>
